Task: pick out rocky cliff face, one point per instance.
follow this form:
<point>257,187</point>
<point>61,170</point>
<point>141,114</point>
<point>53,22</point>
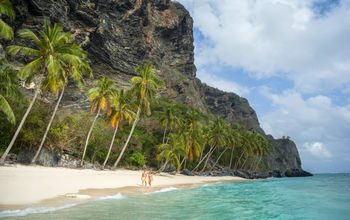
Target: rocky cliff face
<point>122,34</point>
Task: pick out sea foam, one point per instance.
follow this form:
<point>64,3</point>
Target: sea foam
<point>164,190</point>
<point>116,196</point>
<point>11,213</point>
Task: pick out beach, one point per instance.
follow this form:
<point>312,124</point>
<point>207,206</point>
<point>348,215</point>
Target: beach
<point>36,186</point>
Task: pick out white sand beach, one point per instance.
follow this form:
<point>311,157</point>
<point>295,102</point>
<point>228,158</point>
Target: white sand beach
<point>27,185</point>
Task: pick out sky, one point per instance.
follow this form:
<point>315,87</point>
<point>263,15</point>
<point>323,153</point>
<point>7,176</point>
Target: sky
<point>291,60</point>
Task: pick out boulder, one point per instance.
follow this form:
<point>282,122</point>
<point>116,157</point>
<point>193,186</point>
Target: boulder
<point>243,174</point>
<point>187,172</point>
<point>45,158</point>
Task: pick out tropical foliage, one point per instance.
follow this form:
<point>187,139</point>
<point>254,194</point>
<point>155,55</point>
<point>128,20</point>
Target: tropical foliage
<point>8,88</point>
<point>5,30</point>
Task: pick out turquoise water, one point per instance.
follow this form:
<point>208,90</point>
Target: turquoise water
<point>324,196</point>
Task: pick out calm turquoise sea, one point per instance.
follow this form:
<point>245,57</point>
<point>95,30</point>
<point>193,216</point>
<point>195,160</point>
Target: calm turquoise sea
<point>323,196</point>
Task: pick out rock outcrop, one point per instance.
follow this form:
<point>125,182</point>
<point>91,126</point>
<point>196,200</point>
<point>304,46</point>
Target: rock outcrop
<point>120,35</point>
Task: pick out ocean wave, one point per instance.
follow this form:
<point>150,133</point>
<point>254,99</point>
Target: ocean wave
<point>11,213</point>
<point>164,190</point>
<point>116,196</point>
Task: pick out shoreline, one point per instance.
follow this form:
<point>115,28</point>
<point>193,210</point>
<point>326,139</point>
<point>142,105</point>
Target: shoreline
<point>24,186</point>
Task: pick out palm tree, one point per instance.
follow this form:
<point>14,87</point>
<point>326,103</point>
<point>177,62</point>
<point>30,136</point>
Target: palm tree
<point>171,151</point>
<point>249,147</point>
<point>263,149</point>
<point>100,97</point>
<point>73,64</point>
<point>192,132</point>
<point>217,137</point>
<point>168,117</point>
<point>6,9</point>
<point>48,46</point>
<point>145,88</point>
<point>8,88</point>
<point>122,111</point>
<point>234,140</point>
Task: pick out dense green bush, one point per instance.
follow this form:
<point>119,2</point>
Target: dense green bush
<point>137,159</point>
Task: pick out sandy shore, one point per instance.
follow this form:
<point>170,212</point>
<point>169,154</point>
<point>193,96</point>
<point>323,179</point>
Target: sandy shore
<point>30,186</point>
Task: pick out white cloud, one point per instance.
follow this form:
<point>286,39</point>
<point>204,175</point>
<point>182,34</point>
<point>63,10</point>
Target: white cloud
<point>313,123</point>
<point>276,37</point>
<point>317,149</point>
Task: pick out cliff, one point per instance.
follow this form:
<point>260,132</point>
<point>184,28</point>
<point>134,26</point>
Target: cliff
<point>122,34</point>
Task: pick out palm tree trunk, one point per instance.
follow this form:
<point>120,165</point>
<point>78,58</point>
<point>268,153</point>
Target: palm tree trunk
<point>163,167</point>
<point>183,160</point>
<point>110,147</point>
<point>199,163</point>
<point>206,162</point>
<point>200,158</point>
<point>2,160</point>
<point>94,154</point>
<point>48,127</point>
<point>239,159</point>
<point>244,163</point>
<point>164,135</point>
<point>257,165</point>
<point>127,141</point>
<point>231,156</point>
<point>88,136</point>
<point>252,163</point>
<point>222,153</point>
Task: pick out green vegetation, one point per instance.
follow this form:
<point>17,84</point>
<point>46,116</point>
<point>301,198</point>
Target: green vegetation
<point>6,9</point>
<point>100,97</point>
<point>8,88</point>
<point>136,125</point>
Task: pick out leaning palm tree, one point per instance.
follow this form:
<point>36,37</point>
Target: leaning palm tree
<point>263,149</point>
<point>235,139</point>
<point>72,64</point>
<point>52,41</point>
<point>100,97</point>
<point>122,111</point>
<point>192,132</point>
<point>145,88</point>
<point>6,9</point>
<point>169,117</point>
<point>216,138</point>
<point>171,151</point>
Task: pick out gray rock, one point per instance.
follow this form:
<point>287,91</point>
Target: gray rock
<point>169,168</point>
<point>296,173</point>
<point>243,174</point>
<point>187,172</point>
<point>45,158</point>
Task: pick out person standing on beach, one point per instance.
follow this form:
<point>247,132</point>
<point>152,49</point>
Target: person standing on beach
<point>150,178</point>
<point>143,178</point>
